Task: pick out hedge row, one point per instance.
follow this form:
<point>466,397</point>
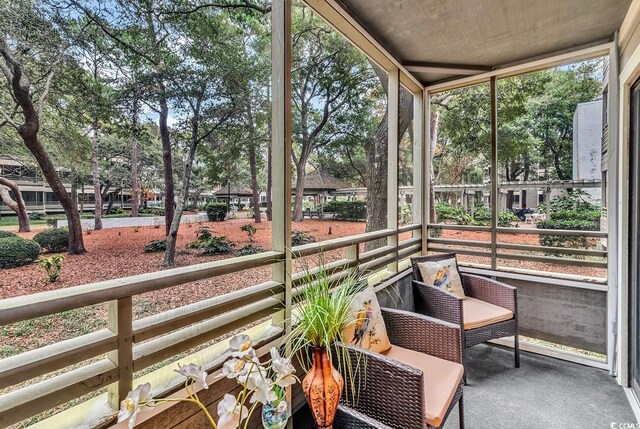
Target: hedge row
<point>567,241</point>
<point>347,210</point>
<point>587,215</point>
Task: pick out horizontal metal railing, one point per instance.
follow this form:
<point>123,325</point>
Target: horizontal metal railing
<point>128,345</point>
<point>529,252</point>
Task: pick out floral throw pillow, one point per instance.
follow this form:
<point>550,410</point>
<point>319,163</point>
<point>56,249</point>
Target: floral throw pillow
<point>366,328</point>
<point>443,275</point>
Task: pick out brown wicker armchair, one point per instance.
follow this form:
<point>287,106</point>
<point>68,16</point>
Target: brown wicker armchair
<point>490,310</point>
<point>414,385</point>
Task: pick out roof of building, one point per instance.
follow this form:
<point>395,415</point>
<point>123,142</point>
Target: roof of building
<point>318,180</point>
<point>224,191</point>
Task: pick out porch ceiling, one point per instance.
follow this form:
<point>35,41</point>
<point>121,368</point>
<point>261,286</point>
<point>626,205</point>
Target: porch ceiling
<point>440,40</point>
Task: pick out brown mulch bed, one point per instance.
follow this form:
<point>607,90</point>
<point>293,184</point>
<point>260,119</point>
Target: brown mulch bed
<point>118,252</point>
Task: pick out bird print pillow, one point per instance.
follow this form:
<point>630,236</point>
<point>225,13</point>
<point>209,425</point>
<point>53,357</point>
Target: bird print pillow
<point>443,275</point>
<point>366,328</point>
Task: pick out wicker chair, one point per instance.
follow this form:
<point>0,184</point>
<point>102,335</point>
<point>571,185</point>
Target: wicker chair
<point>414,385</point>
<point>434,302</point>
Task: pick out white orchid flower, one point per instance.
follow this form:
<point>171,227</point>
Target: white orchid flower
<point>282,407</point>
<point>240,347</point>
<point>194,372</point>
<point>130,407</point>
<point>230,413</point>
<point>283,369</point>
<point>261,386</point>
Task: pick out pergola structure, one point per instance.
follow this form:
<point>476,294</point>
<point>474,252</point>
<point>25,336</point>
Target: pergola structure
<point>427,47</point>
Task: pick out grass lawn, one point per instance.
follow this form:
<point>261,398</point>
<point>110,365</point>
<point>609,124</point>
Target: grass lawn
<point>13,220</point>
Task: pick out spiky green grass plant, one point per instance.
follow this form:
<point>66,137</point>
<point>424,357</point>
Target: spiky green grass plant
<point>322,311</point>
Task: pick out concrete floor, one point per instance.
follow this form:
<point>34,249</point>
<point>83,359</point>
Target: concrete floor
<point>542,393</point>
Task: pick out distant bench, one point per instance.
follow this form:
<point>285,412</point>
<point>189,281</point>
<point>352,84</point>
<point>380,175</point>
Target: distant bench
<point>316,213</point>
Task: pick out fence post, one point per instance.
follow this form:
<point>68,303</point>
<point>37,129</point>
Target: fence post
<point>120,322</point>
<point>352,253</point>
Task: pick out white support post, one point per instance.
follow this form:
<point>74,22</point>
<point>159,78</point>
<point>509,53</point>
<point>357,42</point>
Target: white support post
<point>494,171</point>
<point>425,162</point>
<point>392,163</point>
<point>615,240</point>
<point>418,169</point>
<point>281,150</point>
<point>120,322</point>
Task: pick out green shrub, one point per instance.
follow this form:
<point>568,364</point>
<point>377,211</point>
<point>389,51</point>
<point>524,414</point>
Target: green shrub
<point>216,245</point>
<point>249,249</point>
<point>37,215</point>
<point>588,215</point>
<point>217,211</point>
<point>250,230</point>
<point>7,234</point>
<point>17,251</point>
<point>506,219</point>
<point>298,238</point>
<point>482,216</point>
<point>52,266</point>
<point>156,246</point>
<point>347,210</point>
<point>567,241</point>
<point>203,233</point>
<point>450,214</point>
<point>54,240</point>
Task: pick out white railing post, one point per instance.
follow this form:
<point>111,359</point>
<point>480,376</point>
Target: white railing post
<point>281,150</point>
<point>120,322</point>
<point>392,156</point>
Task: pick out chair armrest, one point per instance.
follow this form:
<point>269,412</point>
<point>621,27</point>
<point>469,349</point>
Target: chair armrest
<point>349,418</point>
<point>424,334</point>
<point>383,389</point>
<point>491,291</point>
<point>434,302</point>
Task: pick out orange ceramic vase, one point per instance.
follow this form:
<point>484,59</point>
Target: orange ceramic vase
<point>322,387</point>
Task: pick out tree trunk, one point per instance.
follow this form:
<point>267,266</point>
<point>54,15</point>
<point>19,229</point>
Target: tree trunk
<point>74,186</point>
<point>95,172</point>
<point>172,237</point>
<point>298,216</point>
<point>135,183</point>
<point>28,131</point>
<point>269,180</point>
<point>435,123</point>
<point>76,243</point>
<point>252,167</point>
<point>112,197</point>
<point>17,205</point>
<point>169,200</point>
<point>82,199</point>
<point>377,154</point>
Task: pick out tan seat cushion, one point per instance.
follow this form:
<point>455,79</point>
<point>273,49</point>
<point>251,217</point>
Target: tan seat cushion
<point>478,313</point>
<point>441,380</point>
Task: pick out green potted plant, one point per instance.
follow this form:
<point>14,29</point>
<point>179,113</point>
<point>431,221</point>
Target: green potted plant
<point>322,312</point>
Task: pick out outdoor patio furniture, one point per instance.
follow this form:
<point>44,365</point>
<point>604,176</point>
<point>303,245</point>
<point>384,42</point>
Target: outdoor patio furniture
<point>415,384</point>
<point>489,311</point>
